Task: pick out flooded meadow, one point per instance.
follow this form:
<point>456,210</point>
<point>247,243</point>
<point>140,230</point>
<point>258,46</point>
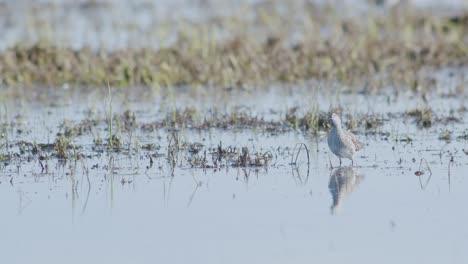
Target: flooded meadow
<point>231,182</point>
<point>213,148</point>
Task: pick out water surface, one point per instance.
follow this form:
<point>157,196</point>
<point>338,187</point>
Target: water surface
<point>117,207</point>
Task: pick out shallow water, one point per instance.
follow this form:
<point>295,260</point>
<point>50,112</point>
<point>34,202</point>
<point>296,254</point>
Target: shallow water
<point>379,211</point>
<point>120,208</point>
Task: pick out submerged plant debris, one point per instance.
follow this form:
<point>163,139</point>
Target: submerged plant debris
<point>79,139</point>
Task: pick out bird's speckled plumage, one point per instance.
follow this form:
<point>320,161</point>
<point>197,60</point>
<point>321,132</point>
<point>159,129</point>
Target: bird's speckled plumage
<point>341,142</point>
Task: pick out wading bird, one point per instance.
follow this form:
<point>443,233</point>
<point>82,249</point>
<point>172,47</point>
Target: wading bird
<point>342,142</point>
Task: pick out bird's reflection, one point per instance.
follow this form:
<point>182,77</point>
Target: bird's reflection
<point>343,180</point>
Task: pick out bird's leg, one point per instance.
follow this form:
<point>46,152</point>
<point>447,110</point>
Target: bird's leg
<point>352,162</point>
<point>340,162</point>
<point>331,165</point>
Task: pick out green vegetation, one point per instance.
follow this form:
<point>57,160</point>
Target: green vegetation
<point>379,51</point>
<point>61,147</point>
